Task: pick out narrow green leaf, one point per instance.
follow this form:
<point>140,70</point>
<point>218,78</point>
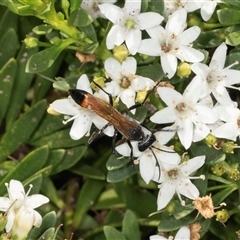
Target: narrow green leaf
<point>75,4</point>
<point>156,6</point>
<point>122,173</point>
<point>113,234</point>
<point>128,192</point>
<point>21,129</point>
<point>7,75</point>
<point>169,223</point>
<point>41,61</point>
<point>88,194</point>
<point>130,226</point>
<point>70,158</point>
<point>8,20</point>
<point>89,172</point>
<point>222,195</point>
<point>20,86</point>
<point>223,16</point>
<point>48,189</point>
<point>8,46</point>
<point>48,234</point>
<point>80,18</point>
<point>115,162</point>
<point>28,166</point>
<point>49,221</point>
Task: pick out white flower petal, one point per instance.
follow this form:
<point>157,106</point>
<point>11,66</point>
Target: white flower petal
<point>112,12</point>
<point>16,190</point>
<point>192,165</point>
<point>228,130</point>
<point>219,57</point>
<point>207,10</point>
<point>185,133</point>
<point>5,204</point>
<point>84,84</point>
<point>186,188</point>
<point>169,64</point>
<point>147,164</point>
<point>116,36</point>
<point>156,33</point>
<point>165,194</point>
<point>113,68</point>
<point>232,77</point>
<point>142,84</point>
<point>99,122</point>
<point>166,115</point>
<point>36,200</point>
<point>189,54</point>
<point>205,114</point>
<point>132,7</point>
<point>81,124</point>
<point>128,97</point>
<point>200,69</point>
<point>154,50</point>
<point>170,96</point>
<point>183,234</point>
<point>144,23</point>
<point>10,220</point>
<point>66,106</point>
<point>133,40</point>
<point>189,35</point>
<point>177,21</point>
<point>37,219</point>
<point>128,67</point>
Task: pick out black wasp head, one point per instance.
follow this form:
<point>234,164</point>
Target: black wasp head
<point>78,95</point>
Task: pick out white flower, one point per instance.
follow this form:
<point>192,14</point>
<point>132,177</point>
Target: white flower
<point>83,118</point>
<point>18,202</point>
<point>231,128</point>
<point>184,110</point>
<point>92,8</point>
<point>172,43</point>
<point>176,179</point>
<point>152,157</point>
<point>128,23</point>
<point>216,78</point>
<point>207,7</point>
<point>182,234</point>
<point>124,82</point>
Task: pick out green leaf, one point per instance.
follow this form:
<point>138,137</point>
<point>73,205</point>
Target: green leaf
<point>128,192</point>
<point>157,6</point>
<point>8,20</point>
<point>113,234</point>
<point>130,226</point>
<point>122,173</point>
<point>42,29</point>
<point>70,158</point>
<point>222,195</point>
<point>8,46</point>
<point>7,75</point>
<point>48,234</point>
<point>20,86</point>
<point>154,72</point>
<point>75,4</point>
<point>41,61</point>
<point>169,223</point>
<point>115,161</point>
<point>49,221</point>
<point>80,18</point>
<point>21,129</point>
<point>63,140</point>
<point>28,166</point>
<point>88,194</point>
<point>89,172</point>
<point>233,58</point>
<point>223,16</point>
<point>48,189</point>
<point>233,38</point>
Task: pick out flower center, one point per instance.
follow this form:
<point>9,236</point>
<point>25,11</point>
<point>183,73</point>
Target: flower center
<point>166,47</point>
<point>129,24</point>
<point>181,107</point>
<point>125,82</point>
<point>173,173</point>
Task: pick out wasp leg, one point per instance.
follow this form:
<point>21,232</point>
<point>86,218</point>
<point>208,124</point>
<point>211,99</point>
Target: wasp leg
<point>96,135</point>
<point>109,95</point>
<point>114,140</point>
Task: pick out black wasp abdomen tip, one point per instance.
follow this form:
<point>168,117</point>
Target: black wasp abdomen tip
<point>77,95</point>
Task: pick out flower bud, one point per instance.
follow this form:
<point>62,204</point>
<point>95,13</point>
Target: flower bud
<point>30,42</point>
<point>99,81</point>
<point>229,146</point>
<point>222,216</point>
<point>23,223</point>
<point>141,95</point>
<point>183,69</point>
<point>120,52</point>
<point>218,169</point>
<point>210,140</point>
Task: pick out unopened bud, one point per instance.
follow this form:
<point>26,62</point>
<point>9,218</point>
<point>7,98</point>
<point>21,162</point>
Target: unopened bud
<point>222,216</point>
<point>30,42</point>
<point>120,52</point>
<point>183,69</point>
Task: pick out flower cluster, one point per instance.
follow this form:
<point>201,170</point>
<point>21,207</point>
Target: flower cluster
<point>202,107</point>
<point>19,207</point>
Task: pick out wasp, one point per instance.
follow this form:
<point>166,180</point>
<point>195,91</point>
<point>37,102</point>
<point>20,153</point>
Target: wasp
<point>130,129</point>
